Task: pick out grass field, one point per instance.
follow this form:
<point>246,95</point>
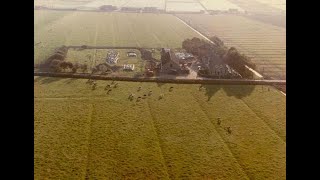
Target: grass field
<point>81,133</point>
<point>265,43</point>
<point>53,29</point>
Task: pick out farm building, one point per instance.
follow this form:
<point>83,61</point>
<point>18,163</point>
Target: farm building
<point>233,10</point>
<point>170,63</point>
<point>131,54</point>
<point>146,54</point>
<point>185,58</point>
<point>131,9</point>
<point>213,12</point>
<point>150,9</point>
<point>112,57</point>
<point>108,8</point>
<point>129,67</point>
<point>213,66</point>
<point>152,66</point>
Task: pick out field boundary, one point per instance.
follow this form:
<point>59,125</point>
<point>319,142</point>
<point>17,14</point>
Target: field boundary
<point>264,121</point>
<point>162,80</point>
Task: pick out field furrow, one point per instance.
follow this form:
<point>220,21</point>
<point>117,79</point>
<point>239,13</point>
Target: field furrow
<point>80,132</point>
<point>246,140</point>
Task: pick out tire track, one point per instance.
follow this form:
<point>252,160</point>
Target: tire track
<point>274,131</point>
<point>87,170</point>
<point>222,140</point>
<point>156,130</point>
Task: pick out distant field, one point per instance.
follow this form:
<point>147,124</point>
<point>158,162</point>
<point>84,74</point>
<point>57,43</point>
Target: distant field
<point>81,133</point>
<point>261,6</point>
<point>267,11</point>
<point>190,6</point>
<point>280,4</point>
<point>54,29</point>
<point>265,43</point>
<point>95,4</point>
<point>61,3</point>
<point>222,5</point>
<point>145,3</point>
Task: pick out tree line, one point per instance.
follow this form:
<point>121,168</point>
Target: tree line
<point>56,62</point>
<point>230,56</point>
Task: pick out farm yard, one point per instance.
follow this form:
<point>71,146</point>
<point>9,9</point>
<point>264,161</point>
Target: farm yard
<point>264,43</point>
<point>54,29</point>
<point>191,132</point>
<point>95,57</point>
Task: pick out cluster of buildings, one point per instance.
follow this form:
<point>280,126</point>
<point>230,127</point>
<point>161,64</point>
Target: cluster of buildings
<point>212,65</point>
<point>206,63</point>
<point>170,64</point>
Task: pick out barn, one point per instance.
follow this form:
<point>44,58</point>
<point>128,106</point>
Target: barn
<point>169,63</point>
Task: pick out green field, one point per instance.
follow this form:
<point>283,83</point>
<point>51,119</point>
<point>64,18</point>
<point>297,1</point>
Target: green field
<point>80,133</point>
<point>54,29</point>
<point>264,43</point>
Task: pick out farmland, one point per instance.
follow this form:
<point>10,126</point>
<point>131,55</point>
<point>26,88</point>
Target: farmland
<point>81,133</point>
<point>95,4</point>
<point>222,5</point>
<point>54,29</point>
<point>264,43</point>
<point>61,3</point>
<point>190,6</point>
<point>267,11</point>
<point>261,6</point>
<point>280,4</point>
